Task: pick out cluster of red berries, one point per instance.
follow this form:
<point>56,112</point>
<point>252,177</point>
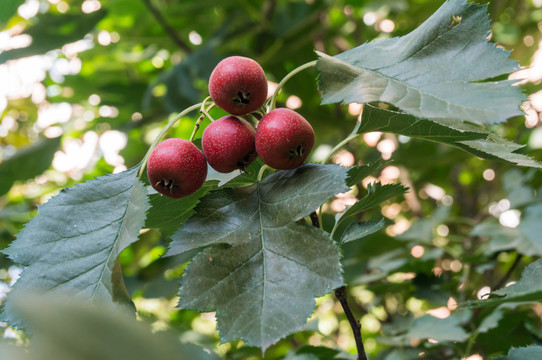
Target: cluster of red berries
<point>283,139</point>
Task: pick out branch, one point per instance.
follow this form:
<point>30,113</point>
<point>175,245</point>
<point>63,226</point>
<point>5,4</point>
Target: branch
<point>340,294</point>
<point>506,276</point>
<point>168,28</point>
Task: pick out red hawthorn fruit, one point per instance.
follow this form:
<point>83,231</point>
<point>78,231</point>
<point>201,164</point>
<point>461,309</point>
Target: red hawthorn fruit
<point>238,85</point>
<point>228,144</point>
<point>284,139</point>
<point>176,168</point>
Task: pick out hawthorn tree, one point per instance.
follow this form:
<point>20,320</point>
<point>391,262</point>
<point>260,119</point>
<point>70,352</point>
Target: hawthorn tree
<point>256,246</point>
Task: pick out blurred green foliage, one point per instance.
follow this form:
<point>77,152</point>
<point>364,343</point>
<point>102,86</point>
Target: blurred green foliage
<point>107,74</point>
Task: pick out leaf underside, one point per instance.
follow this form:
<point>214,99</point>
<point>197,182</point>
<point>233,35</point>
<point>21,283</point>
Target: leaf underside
<point>72,246</point>
<point>467,137</point>
<point>266,267</point>
<point>433,72</point>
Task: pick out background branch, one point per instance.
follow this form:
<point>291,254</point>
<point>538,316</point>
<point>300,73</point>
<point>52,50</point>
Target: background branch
<point>172,33</point>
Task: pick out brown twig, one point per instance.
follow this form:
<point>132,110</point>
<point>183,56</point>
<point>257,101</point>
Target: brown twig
<point>340,294</point>
<point>167,27</point>
<point>506,276</point>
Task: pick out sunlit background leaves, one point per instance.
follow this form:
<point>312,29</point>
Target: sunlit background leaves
<point>85,86</point>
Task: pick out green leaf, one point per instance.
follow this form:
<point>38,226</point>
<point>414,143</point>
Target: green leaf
<point>72,245</point>
<point>358,173</point>
<point>168,214</point>
<point>525,239</point>
<point>470,138</point>
<point>527,289</point>
<point>432,72</point>
<point>376,194</point>
<point>429,327</point>
<point>70,330</point>
<point>525,353</point>
<point>360,230</point>
<point>263,277</point>
<point>52,31</point>
<point>27,163</point>
<point>8,9</point>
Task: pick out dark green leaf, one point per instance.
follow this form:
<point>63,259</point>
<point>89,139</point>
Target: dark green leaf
<point>433,72</point>
<point>27,163</point>
<point>52,31</point>
<point>72,245</point>
<point>358,231</point>
<point>376,194</point>
<point>263,279</point>
<point>358,173</point>
<point>169,214</point>
<point>470,138</point>
<point>526,353</point>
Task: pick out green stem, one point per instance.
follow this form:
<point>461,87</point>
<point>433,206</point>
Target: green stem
<point>272,101</point>
<point>262,170</point>
<point>162,133</point>
<point>352,136</point>
<point>204,113</point>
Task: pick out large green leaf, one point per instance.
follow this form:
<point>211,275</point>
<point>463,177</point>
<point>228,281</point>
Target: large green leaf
<point>470,138</point>
<point>27,163</point>
<point>72,245</point>
<point>69,330</point>
<point>268,267</point>
<point>433,72</point>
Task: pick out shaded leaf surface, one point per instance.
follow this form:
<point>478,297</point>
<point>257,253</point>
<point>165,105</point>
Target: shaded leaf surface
<point>27,163</point>
<point>470,138</point>
<point>168,214</point>
<point>430,72</point>
<point>267,269</point>
<point>72,245</point>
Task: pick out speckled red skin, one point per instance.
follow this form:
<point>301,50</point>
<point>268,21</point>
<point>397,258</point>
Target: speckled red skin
<point>176,168</point>
<point>238,85</point>
<point>228,144</point>
<point>284,139</point>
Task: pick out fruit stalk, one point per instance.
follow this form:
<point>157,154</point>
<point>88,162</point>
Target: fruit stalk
<point>162,133</point>
<point>273,99</point>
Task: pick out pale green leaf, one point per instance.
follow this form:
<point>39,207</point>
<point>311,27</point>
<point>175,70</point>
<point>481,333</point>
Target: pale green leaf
<point>72,245</point>
<point>67,330</point>
<point>467,137</point>
<point>432,72</point>
<point>263,277</point>
<point>429,327</point>
<point>525,353</point>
